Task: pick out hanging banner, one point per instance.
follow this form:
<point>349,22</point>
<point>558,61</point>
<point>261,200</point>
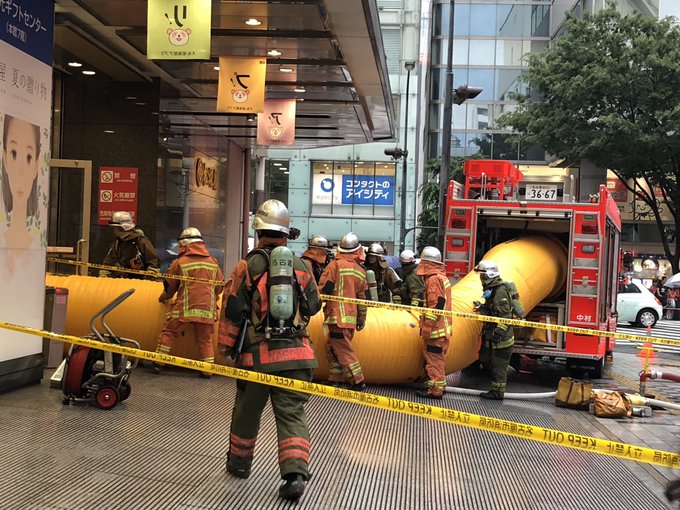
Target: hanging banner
<point>178,30</point>
<point>276,126</point>
<point>117,192</point>
<point>26,48</point>
<point>241,85</point>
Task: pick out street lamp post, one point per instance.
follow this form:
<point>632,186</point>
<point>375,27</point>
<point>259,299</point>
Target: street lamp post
<point>410,65</point>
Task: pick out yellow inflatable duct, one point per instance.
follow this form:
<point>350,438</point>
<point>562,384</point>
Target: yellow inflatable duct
<point>389,348</point>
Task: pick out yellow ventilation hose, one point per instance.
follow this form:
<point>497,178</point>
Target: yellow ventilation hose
<point>389,347</point>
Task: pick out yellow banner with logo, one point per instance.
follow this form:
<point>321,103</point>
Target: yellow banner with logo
<point>178,30</point>
<point>241,85</point>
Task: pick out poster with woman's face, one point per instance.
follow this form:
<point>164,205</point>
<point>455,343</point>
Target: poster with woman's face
<point>23,184</point>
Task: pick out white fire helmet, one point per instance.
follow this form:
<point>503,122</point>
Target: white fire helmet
<point>349,243</point>
<point>431,254</point>
<point>272,215</point>
<point>122,219</point>
<point>190,235</point>
<point>487,267</point>
<point>319,242</point>
<point>407,256</point>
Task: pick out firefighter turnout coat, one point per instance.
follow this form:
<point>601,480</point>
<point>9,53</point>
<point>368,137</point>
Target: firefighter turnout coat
<point>344,277</point>
<point>196,301</point>
<point>246,297</point>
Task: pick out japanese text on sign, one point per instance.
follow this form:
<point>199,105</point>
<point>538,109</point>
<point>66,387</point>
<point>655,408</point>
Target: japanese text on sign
<point>117,192</point>
<point>368,190</point>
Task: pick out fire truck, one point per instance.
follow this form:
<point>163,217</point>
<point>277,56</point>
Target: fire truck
<point>498,204</point>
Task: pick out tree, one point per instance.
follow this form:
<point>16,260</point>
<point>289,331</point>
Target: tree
<point>609,92</point>
<point>429,193</point>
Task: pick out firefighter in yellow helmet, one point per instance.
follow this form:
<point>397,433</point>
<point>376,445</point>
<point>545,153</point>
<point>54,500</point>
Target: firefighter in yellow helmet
<point>435,329</point>
<point>270,298</point>
<point>196,303</point>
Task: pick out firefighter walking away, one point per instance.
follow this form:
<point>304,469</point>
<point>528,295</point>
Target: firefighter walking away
<point>196,303</point>
<point>269,300</point>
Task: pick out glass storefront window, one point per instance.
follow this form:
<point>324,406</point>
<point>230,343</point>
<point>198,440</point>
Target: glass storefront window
<point>353,188</point>
<point>481,19</point>
<point>482,52</point>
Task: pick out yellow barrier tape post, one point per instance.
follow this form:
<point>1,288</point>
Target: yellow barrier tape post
<point>509,428</point>
<point>408,308</point>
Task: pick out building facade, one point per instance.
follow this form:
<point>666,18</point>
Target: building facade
<point>358,188</point>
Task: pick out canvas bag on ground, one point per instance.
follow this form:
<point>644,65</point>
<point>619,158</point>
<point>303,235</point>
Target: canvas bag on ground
<point>611,404</point>
<point>573,393</point>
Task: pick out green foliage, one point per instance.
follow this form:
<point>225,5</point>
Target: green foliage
<point>609,92</point>
<point>429,193</point>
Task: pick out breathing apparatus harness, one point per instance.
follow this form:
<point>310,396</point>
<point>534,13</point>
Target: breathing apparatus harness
<point>282,288</point>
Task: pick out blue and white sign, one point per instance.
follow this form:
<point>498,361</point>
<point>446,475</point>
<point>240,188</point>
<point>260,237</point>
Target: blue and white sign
<point>326,189</point>
<point>368,190</point>
<point>28,25</point>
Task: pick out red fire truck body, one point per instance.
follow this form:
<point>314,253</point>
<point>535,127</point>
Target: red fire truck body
<point>493,211</point>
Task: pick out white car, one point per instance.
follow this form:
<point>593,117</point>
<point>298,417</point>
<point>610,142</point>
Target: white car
<point>637,305</point>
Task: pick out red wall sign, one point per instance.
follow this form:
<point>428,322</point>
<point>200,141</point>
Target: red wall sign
<point>117,192</point>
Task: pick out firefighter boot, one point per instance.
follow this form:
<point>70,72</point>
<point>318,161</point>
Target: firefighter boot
<point>492,395</point>
<point>294,487</point>
<point>425,394</point>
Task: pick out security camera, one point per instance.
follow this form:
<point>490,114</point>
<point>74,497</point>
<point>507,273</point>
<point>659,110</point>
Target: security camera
<point>396,153</point>
<point>464,92</point>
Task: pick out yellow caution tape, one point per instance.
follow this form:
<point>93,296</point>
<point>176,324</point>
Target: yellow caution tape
<point>409,308</point>
<point>500,426</point>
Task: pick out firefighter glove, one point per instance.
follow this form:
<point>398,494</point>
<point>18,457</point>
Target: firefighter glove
<point>496,338</point>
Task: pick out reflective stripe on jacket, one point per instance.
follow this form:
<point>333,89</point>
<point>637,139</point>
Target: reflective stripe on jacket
<point>349,279</point>
<point>437,286</point>
<point>196,301</point>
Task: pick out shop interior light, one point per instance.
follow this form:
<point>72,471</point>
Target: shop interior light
<point>109,131</point>
<point>216,68</point>
<point>299,89</point>
<point>278,164</point>
<point>253,22</point>
<point>274,53</point>
<point>286,69</point>
<point>89,73</point>
<point>75,64</point>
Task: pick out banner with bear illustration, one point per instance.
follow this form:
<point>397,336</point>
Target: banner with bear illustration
<point>178,30</point>
<point>276,126</point>
<point>241,85</point>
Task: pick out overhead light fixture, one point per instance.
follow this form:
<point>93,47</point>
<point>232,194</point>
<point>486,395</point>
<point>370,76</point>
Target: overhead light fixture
<point>299,89</point>
<point>278,164</point>
<point>216,68</point>
<point>273,53</point>
<point>253,22</point>
<point>165,138</point>
<point>109,131</point>
<point>286,172</point>
<point>89,73</point>
<point>140,104</point>
<point>131,98</point>
<point>251,118</point>
<point>286,69</point>
<point>75,64</point>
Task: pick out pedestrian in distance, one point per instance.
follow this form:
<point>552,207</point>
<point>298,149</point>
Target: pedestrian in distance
<point>270,298</point>
<point>130,250</point>
<point>345,277</point>
<point>497,338</point>
<point>196,303</point>
<point>435,329</point>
